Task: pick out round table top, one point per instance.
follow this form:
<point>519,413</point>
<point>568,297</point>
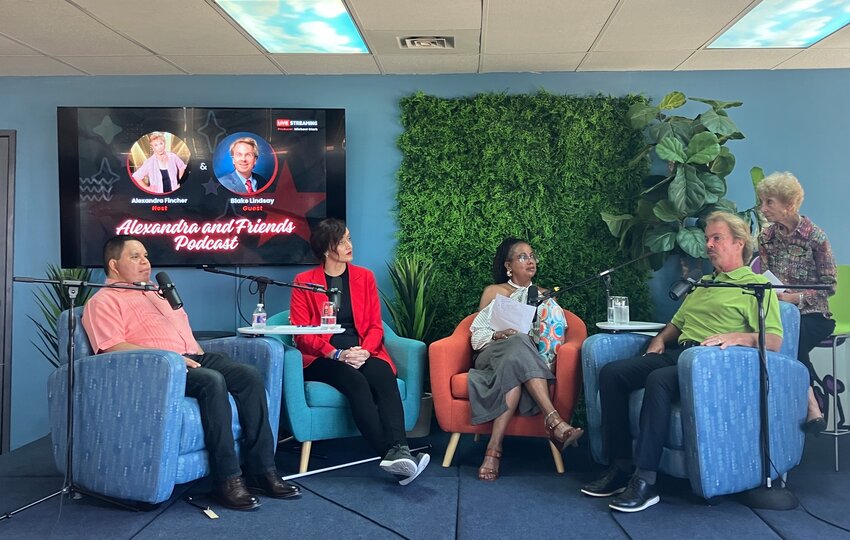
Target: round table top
<point>290,329</point>
<point>631,326</point>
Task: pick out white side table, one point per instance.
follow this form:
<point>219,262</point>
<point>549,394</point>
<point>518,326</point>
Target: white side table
<point>289,330</point>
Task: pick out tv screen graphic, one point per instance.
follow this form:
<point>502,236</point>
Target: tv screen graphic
<point>216,186</point>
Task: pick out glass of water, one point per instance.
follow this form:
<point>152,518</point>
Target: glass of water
<point>328,314</point>
<point>620,308</point>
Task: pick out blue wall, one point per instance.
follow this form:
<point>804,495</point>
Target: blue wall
<point>792,119</point>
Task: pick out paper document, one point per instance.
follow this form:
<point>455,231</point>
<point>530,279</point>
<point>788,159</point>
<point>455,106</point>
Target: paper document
<point>510,314</point>
<point>775,280</point>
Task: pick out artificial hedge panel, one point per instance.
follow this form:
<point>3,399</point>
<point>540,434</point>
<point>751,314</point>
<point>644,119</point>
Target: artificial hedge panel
<point>541,167</point>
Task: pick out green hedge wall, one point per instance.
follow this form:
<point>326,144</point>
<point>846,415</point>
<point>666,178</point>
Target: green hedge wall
<point>541,167</point>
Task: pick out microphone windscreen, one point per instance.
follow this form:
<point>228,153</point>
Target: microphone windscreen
<point>679,289</point>
<point>168,291</point>
<point>532,295</point>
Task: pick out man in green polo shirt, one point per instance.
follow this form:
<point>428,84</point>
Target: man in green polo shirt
<point>719,316</point>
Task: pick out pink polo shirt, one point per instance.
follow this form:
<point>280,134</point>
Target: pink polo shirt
<point>114,316</point>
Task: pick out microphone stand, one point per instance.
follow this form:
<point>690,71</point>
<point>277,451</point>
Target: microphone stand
<point>767,496</point>
<point>604,275</point>
<point>68,486</point>
<point>263,282</point>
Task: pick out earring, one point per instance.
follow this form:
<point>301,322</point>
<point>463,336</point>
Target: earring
<point>510,273</point>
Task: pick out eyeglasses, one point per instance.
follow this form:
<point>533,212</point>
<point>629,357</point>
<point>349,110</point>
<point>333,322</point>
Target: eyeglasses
<point>525,257</point>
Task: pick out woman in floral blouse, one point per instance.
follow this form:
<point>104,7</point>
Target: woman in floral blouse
<point>798,253</point>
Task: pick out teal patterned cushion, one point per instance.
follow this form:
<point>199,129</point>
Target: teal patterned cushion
<point>551,329</point>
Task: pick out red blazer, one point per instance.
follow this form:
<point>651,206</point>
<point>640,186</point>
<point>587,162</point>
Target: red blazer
<point>305,308</point>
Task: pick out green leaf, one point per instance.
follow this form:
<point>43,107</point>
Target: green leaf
<point>671,149</point>
<point>686,191</point>
<point>718,105</point>
<point>719,124</point>
<point>665,211</point>
<point>641,115</point>
<point>617,224</point>
<point>659,131</point>
<point>703,148</point>
<point>692,241</point>
<point>682,127</point>
<point>673,100</point>
<point>661,239</point>
<point>757,175</point>
<point>723,163</point>
<point>715,187</point>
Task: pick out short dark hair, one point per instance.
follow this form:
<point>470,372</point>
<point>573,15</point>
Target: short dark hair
<point>503,252</point>
<point>327,234</point>
<point>113,247</point>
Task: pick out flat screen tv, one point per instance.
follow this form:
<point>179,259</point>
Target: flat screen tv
<point>217,186</point>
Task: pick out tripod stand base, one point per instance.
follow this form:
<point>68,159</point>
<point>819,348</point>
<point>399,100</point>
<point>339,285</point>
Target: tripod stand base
<point>770,498</point>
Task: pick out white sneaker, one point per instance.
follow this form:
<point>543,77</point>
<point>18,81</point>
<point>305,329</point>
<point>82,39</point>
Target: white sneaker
<point>422,461</point>
<point>399,461</point>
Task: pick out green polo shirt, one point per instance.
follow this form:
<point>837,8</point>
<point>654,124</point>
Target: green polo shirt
<point>719,310</point>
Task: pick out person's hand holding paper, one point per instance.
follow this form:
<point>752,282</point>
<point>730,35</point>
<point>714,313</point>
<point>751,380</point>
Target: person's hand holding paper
<point>511,315</point>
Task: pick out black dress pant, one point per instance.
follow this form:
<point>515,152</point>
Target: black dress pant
<point>658,374</point>
<point>210,384</point>
<point>814,328</point>
<point>372,392</point>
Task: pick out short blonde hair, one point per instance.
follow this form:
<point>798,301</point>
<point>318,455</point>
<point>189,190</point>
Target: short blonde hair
<point>739,229</point>
<point>783,186</point>
<point>246,140</point>
<point>156,135</point>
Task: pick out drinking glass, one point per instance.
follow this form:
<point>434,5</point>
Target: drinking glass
<point>328,314</point>
<point>620,307</point>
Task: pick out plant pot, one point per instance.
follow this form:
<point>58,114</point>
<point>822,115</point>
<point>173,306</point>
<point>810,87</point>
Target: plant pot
<point>423,423</point>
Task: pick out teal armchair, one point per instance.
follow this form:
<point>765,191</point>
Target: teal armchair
<point>315,411</point>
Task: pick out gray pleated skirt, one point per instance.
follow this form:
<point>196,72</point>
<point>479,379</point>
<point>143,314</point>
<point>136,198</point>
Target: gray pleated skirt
<point>500,367</point>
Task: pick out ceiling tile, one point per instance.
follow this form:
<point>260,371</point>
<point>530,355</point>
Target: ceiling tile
<point>33,66</point>
<point>224,65</point>
<point>818,59</point>
<point>187,27</point>
<point>513,63</point>
<point>428,64</point>
<point>720,59</point>
<point>56,27</point>
<point>657,25</point>
<point>306,64</point>
<point>12,48</point>
<point>633,60</point>
<point>512,27</point>
<point>412,14</point>
<point>837,40</point>
<point>122,65</point>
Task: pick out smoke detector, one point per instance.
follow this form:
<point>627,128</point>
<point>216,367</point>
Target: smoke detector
<point>426,42</point>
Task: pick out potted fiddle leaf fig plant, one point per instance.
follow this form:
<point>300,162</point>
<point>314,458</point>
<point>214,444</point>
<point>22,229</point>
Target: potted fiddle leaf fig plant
<point>411,308</point>
<point>670,211</point>
<point>52,300</point>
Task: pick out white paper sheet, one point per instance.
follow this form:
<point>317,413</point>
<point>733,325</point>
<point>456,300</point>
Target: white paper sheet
<point>510,314</point>
<point>775,280</point>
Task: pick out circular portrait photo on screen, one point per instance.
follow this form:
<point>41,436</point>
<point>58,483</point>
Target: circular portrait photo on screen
<point>245,163</point>
<point>157,162</point>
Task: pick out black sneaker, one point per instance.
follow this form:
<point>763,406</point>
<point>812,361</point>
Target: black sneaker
<point>639,495</point>
<point>399,461</point>
<point>613,482</point>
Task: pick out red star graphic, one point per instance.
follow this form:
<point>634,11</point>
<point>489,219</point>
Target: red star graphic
<point>293,204</point>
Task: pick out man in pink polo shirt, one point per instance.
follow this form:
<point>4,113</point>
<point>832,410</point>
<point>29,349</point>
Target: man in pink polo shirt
<point>121,320</point>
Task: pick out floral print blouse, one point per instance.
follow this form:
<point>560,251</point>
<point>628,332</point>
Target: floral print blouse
<point>799,258</point>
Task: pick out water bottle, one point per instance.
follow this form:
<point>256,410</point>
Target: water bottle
<point>258,319</point>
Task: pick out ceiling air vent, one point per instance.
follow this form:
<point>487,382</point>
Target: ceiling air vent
<point>426,42</point>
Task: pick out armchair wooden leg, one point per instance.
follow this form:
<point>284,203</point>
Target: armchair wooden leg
<point>450,449</point>
<point>559,459</point>
<point>306,446</point>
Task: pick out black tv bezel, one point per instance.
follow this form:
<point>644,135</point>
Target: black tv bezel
<point>69,175</point>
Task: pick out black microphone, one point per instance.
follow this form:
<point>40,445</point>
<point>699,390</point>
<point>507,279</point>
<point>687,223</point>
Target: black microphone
<point>532,296</point>
<point>681,288</point>
<point>168,291</point>
<point>335,296</point>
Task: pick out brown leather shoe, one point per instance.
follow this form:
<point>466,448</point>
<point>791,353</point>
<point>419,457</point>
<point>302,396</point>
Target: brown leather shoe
<point>233,494</point>
<point>272,485</point>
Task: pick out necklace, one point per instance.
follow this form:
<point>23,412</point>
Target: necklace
<point>515,286</point>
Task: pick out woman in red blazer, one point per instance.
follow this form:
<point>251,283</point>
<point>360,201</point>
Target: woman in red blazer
<point>354,362</point>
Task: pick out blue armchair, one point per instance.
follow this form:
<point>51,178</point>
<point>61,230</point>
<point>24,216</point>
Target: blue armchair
<point>136,434</point>
<point>714,431</point>
<point>315,411</point>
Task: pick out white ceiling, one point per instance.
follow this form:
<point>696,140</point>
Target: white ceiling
<point>165,37</point>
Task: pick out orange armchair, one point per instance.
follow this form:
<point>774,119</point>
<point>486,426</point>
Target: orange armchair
<point>451,358</point>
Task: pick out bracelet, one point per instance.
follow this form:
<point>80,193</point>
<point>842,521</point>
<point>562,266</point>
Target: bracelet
<point>801,300</point>
<point>337,354</point>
